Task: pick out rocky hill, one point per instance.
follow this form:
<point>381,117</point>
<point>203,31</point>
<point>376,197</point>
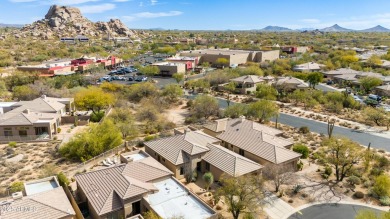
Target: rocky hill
<point>64,21</point>
<point>376,29</point>
<point>336,28</point>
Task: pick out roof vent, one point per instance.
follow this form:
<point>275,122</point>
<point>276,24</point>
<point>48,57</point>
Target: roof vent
<point>26,111</point>
<point>43,97</point>
<point>242,118</point>
<point>17,195</point>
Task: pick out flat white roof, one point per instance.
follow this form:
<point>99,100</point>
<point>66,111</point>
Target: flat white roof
<point>5,104</point>
<point>173,200</point>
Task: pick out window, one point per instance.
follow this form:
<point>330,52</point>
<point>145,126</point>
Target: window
<point>7,131</point>
<point>163,160</point>
<point>241,152</point>
<point>181,170</point>
<point>22,132</point>
<point>207,166</point>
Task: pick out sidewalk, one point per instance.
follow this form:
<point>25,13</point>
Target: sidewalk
<point>276,208</point>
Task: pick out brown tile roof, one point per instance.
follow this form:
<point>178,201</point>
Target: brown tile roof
<point>106,188</point>
<point>253,79</point>
<point>229,161</point>
<point>176,148</point>
<point>222,124</point>
<point>260,143</point>
<point>22,118</point>
<point>40,105</point>
<point>51,204</point>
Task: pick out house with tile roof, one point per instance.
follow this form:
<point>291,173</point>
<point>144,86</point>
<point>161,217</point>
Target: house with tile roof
<point>30,120</point>
<point>248,83</point>
<point>383,90</point>
<point>131,188</point>
<point>308,67</point>
<point>45,199</point>
<point>257,142</point>
<point>289,84</point>
<point>196,151</point>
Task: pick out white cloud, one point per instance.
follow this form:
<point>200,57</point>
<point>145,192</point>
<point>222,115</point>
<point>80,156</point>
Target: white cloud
<point>310,21</point>
<point>158,14</point>
<point>122,0</point>
<point>153,2</point>
<point>95,9</point>
<point>151,15</point>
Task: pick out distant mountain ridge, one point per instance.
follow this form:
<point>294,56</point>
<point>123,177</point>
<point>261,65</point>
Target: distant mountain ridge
<point>334,28</point>
<point>12,25</point>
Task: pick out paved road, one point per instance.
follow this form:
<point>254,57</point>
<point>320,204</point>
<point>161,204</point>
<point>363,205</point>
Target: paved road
<point>327,211</point>
<point>319,127</point>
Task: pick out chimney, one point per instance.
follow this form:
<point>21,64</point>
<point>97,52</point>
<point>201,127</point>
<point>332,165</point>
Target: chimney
<point>43,96</point>
<point>242,118</point>
<point>26,111</point>
<point>17,195</point>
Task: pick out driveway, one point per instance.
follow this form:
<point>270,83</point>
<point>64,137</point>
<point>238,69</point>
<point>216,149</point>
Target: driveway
<point>319,127</point>
<point>276,208</point>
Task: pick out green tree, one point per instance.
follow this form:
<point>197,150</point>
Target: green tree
<point>236,110</point>
<point>342,154</point>
<point>173,92</point>
<point>368,83</point>
<point>137,92</point>
<point>24,92</point>
<point>222,62</point>
<point>16,187</point>
<point>123,119</point>
<point>230,88</point>
<point>381,185</point>
<point>314,78</point>
<point>205,106</point>
<point>208,179</point>
<point>243,193</point>
<point>302,149</point>
<point>374,60</point>
<point>62,179</point>
<point>266,91</point>
<point>376,115</point>
<point>149,70</point>
<point>92,142</point>
<point>178,77</point>
<point>262,110</point>
<point>93,98</point>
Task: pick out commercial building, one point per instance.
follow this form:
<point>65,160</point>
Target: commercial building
<point>170,68</point>
<point>234,57</point>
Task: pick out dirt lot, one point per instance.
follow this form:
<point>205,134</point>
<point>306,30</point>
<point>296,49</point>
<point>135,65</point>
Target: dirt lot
<point>28,161</point>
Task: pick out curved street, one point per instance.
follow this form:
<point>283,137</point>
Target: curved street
<point>326,211</point>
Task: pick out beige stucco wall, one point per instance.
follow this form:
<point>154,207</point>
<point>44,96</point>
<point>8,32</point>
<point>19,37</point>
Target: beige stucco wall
<point>211,133</point>
<point>172,69</point>
<point>271,55</point>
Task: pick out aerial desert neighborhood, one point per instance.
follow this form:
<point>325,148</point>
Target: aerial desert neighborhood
<point>152,109</point>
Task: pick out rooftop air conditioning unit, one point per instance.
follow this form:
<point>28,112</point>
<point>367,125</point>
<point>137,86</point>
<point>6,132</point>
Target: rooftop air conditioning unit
<point>17,195</point>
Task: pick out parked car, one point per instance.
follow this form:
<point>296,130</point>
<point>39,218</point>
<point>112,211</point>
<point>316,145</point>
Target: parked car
<point>141,78</point>
<point>358,99</point>
<point>329,82</point>
<point>371,102</point>
<point>119,78</point>
<point>375,97</point>
<point>114,72</point>
<point>131,78</point>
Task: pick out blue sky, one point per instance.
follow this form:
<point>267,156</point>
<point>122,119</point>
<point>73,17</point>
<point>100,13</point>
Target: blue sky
<point>212,14</point>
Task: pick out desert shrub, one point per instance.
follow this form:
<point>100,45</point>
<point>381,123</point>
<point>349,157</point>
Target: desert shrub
<point>354,180</point>
<point>62,179</point>
<point>218,207</point>
<point>383,162</point>
<point>376,171</point>
<point>12,144</point>
<point>358,195</point>
<point>381,186</point>
<point>328,170</point>
<point>385,200</point>
<point>150,137</point>
<point>302,149</point>
<point>247,216</point>
<point>16,187</point>
<point>58,130</point>
<point>300,165</point>
<point>304,130</point>
<point>96,117</point>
